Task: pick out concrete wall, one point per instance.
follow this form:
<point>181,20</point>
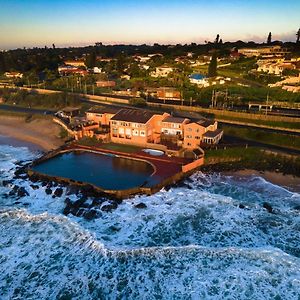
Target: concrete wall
<point>193,165</point>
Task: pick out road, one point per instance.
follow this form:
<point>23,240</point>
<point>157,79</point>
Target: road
<point>26,110</point>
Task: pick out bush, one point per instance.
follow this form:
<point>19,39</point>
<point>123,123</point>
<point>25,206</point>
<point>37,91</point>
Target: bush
<point>138,102</point>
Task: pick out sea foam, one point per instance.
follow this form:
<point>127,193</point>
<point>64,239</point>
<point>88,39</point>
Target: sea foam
<point>209,239</point>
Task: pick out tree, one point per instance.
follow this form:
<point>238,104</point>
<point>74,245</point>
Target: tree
<point>217,39</point>
<point>298,36</point>
<point>212,68</point>
<point>91,60</point>
<point>269,40</point>
<point>138,102</point>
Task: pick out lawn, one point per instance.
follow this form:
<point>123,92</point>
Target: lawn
<point>121,147</point>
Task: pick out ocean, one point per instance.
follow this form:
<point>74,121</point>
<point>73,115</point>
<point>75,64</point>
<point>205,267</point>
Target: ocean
<point>214,237</point>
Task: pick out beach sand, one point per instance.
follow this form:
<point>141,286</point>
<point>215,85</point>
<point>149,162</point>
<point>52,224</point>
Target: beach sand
<point>42,132</point>
<point>289,182</point>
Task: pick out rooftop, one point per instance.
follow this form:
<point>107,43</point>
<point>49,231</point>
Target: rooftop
<point>205,122</point>
<point>104,109</point>
<point>133,115</point>
<point>174,120</point>
<point>212,134</point>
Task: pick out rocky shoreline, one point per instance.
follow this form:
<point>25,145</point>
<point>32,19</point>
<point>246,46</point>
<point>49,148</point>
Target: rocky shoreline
<point>89,203</point>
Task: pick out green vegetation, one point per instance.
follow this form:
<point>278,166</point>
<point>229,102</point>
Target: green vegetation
<point>32,99</point>
<point>121,147</point>
<point>138,102</point>
<point>278,139</point>
<point>251,158</point>
<point>63,133</point>
<point>93,142</point>
<point>89,142</point>
<point>245,94</point>
<point>212,67</point>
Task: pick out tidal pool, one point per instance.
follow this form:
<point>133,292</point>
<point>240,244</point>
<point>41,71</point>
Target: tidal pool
<point>104,171</point>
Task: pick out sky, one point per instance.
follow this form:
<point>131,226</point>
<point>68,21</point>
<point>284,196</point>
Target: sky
<point>30,23</point>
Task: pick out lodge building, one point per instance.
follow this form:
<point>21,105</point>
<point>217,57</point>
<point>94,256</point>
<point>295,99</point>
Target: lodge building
<point>142,127</point>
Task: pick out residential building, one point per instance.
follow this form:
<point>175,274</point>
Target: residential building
<point>75,63</point>
<point>168,93</point>
<point>101,59</point>
<point>276,68</point>
<point>199,79</point>
<point>125,76</point>
<point>101,115</point>
<point>71,70</point>
<point>201,132</point>
<point>172,129</point>
<point>106,83</point>
<point>162,71</point>
<point>267,51</point>
<point>173,126</point>
<point>68,112</point>
<point>146,128</point>
<point>13,75</point>
<point>97,70</point>
<point>136,126</point>
<point>164,93</point>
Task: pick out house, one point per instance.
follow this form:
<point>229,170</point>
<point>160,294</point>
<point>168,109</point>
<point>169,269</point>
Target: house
<point>198,79</point>
<point>164,93</point>
<point>135,126</point>
<point>267,51</point>
<point>106,83</point>
<point>168,93</point>
<point>172,129</point>
<point>291,88</point>
<point>106,60</point>
<point>276,68</point>
<point>13,75</point>
<point>85,129</point>
<point>97,70</point>
<point>201,132</point>
<point>101,115</point>
<point>68,112</point>
<point>173,126</point>
<point>71,70</point>
<point>125,77</point>
<point>162,71</point>
<point>75,63</point>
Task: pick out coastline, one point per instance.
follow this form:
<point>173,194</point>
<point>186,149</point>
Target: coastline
<point>42,133</point>
<point>289,182</point>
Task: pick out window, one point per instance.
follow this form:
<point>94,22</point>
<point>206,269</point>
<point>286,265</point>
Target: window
<point>189,144</point>
<point>135,132</point>
<point>189,136</point>
<point>142,133</point>
<point>198,138</point>
<point>189,129</point>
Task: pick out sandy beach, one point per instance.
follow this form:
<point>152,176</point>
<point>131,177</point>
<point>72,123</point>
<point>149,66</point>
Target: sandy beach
<point>290,182</point>
<point>41,132</point>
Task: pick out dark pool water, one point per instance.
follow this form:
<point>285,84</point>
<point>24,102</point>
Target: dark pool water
<point>104,171</point>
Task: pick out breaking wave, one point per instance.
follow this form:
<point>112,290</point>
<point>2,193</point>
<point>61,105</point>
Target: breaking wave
<point>210,238</point>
